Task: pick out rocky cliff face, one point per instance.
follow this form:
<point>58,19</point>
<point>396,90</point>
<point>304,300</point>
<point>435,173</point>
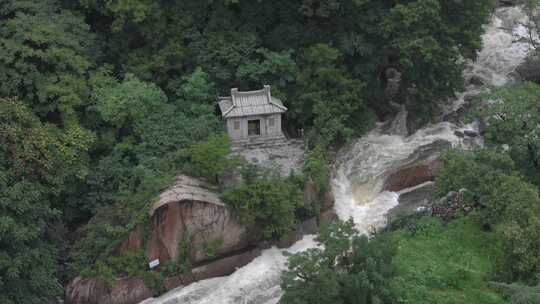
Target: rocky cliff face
<point>189,212</point>
<point>96,291</point>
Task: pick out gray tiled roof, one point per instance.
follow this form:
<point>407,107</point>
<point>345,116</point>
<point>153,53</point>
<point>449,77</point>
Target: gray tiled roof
<point>250,103</point>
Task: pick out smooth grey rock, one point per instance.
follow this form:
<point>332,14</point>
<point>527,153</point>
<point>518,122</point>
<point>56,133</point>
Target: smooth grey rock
<point>410,202</point>
<point>470,133</point>
<point>529,70</point>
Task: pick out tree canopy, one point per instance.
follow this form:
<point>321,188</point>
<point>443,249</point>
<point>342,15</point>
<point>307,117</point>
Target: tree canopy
<point>103,102</point>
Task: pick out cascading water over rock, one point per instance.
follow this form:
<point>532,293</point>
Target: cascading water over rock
<point>361,171</point>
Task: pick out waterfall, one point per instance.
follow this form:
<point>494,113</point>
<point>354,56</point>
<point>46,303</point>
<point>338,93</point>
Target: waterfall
<point>360,172</point>
<point>398,125</point>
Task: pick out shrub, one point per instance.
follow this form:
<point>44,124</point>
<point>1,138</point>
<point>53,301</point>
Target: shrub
<point>512,120</point>
<point>506,202</point>
<point>347,268</point>
<point>492,182</point>
<point>517,293</point>
<point>208,159</point>
<point>316,168</point>
<point>268,200</point>
<point>210,247</point>
<point>183,262</point>
<point>154,281</point>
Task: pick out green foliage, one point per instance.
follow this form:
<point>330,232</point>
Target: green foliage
<point>521,248</point>
<point>518,294</point>
<point>430,36</point>
<point>182,264</point>
<point>33,158</point>
<point>444,264</point>
<point>514,119</point>
<point>117,97</point>
<point>46,52</point>
<point>268,201</point>
<point>329,99</point>
<point>316,167</point>
<point>210,247</point>
<point>128,263</point>
<point>209,159</point>
<point>154,281</point>
<point>487,175</point>
<point>197,89</point>
<point>249,43</point>
<point>348,268</point>
<point>506,202</point>
<point>139,138</point>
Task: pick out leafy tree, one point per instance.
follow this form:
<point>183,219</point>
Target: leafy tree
<point>520,247</point>
<point>348,268</point>
<point>482,174</point>
<point>268,201</point>
<point>507,203</point>
<point>35,161</point>
<point>429,38</point>
<point>268,67</point>
<point>514,120</point>
<point>244,43</point>
<point>316,167</point>
<point>518,294</point>
<point>45,54</point>
<point>197,88</point>
<point>117,88</point>
<point>139,136</point>
<point>209,159</point>
<point>329,100</point>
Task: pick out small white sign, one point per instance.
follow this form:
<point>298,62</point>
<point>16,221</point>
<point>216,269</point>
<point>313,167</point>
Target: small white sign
<point>154,263</point>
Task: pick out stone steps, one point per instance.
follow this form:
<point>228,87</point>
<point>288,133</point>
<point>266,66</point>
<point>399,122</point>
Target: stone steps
<point>259,142</point>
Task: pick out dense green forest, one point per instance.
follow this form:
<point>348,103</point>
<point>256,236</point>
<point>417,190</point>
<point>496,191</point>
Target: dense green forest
<point>103,102</point>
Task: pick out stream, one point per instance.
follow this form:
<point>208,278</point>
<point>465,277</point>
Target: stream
<point>361,169</point>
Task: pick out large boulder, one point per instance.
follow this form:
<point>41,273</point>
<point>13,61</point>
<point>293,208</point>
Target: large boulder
<point>412,175</point>
<point>191,213</point>
<point>412,201</point>
<point>418,168</point>
<point>508,2</point>
<point>530,70</point>
<point>96,291</point>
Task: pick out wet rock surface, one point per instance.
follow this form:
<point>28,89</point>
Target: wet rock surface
<point>413,201</point>
<point>96,291</point>
<point>529,70</point>
<point>420,167</point>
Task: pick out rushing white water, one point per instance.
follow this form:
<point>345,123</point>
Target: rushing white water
<point>362,170</point>
<point>360,174</point>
